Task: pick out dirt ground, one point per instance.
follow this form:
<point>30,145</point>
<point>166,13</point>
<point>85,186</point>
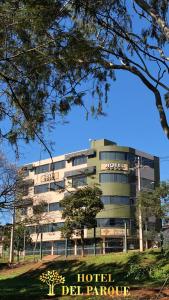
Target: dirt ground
<point>151,293</point>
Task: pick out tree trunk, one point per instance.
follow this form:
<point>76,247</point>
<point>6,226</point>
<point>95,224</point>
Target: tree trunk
<point>82,242</point>
<point>34,249</point>
<point>17,255</point>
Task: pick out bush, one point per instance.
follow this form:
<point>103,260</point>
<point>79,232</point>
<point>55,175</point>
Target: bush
<point>160,272</point>
<point>137,272</point>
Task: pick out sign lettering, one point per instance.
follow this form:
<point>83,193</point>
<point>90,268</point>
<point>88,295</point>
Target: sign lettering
<point>49,177</point>
<point>115,166</point>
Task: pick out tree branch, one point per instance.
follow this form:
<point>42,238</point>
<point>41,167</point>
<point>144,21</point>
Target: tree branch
<point>159,105</point>
<point>155,16</point>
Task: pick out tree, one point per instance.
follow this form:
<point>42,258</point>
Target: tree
<point>153,204</point>
<point>79,211</point>
<point>8,183</point>
<point>39,214</point>
<point>49,48</point>
<point>21,238</point>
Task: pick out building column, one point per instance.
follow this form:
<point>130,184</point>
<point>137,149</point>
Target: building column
<point>75,249</point>
<point>104,244</point>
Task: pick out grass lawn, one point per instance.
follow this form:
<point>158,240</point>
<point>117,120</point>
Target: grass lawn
<point>22,282</point>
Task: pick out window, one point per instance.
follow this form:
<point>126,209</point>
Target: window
<point>25,190</point>
<point>42,169</point>
<point>45,227</point>
<point>147,162</point>
<point>114,222</point>
<point>43,188</point>
<point>58,165</point>
<point>31,229</point>
<point>79,181</point>
<point>113,155</point>
<point>54,206</point>
<point>79,160</point>
<point>25,172</point>
<point>123,200</point>
<point>54,186</point>
<point>23,211</point>
<point>147,183</point>
<point>113,177</point>
<point>37,209</point>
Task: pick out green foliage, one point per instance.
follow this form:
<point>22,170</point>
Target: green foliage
<point>20,235</point>
<point>154,202</point>
<point>80,209</point>
<point>159,273</point>
<point>8,183</point>
<point>138,272</point>
<point>50,49</point>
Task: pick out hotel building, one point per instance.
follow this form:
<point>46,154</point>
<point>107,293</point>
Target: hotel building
<point>115,169</point>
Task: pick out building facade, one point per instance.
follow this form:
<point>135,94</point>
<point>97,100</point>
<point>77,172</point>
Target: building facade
<point>111,166</point>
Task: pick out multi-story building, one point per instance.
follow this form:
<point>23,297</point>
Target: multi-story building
<point>111,166</point>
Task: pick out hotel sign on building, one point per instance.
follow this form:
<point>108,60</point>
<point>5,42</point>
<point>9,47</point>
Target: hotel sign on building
<point>49,177</point>
<point>115,167</point>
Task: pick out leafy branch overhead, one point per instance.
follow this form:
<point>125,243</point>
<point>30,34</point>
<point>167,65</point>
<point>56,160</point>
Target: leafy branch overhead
<point>49,48</point>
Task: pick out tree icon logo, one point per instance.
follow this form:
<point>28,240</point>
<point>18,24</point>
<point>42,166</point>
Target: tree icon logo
<point>52,278</point>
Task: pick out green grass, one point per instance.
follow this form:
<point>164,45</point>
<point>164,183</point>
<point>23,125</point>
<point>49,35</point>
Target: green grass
<point>23,282</point>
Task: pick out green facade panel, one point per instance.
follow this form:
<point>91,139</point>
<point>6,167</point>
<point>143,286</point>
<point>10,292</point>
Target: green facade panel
<point>117,189</point>
<point>115,211</point>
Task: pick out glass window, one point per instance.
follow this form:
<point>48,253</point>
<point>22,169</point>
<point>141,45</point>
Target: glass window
<point>25,172</point>
<point>46,245</point>
<point>43,188</point>
<point>113,177</point>
<point>31,229</point>
<point>113,155</point>
<point>54,186</point>
<point>57,226</point>
<point>58,165</point>
<point>23,211</point>
<point>114,222</point>
<point>123,200</point>
<point>43,228</point>
<point>25,190</point>
<point>79,160</point>
<point>147,162</point>
<point>147,183</point>
<point>37,209</point>
<point>79,181</point>
<point>42,169</point>
<point>54,206</point>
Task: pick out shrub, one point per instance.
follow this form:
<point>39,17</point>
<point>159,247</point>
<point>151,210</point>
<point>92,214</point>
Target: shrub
<point>160,272</point>
<point>137,272</point>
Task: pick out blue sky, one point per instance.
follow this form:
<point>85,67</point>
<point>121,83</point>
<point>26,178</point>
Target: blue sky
<point>132,120</point>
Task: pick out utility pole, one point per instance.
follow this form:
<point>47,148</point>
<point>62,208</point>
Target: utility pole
<point>146,231</point>
<point>139,209</point>
<point>125,236</point>
<point>11,250</point>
